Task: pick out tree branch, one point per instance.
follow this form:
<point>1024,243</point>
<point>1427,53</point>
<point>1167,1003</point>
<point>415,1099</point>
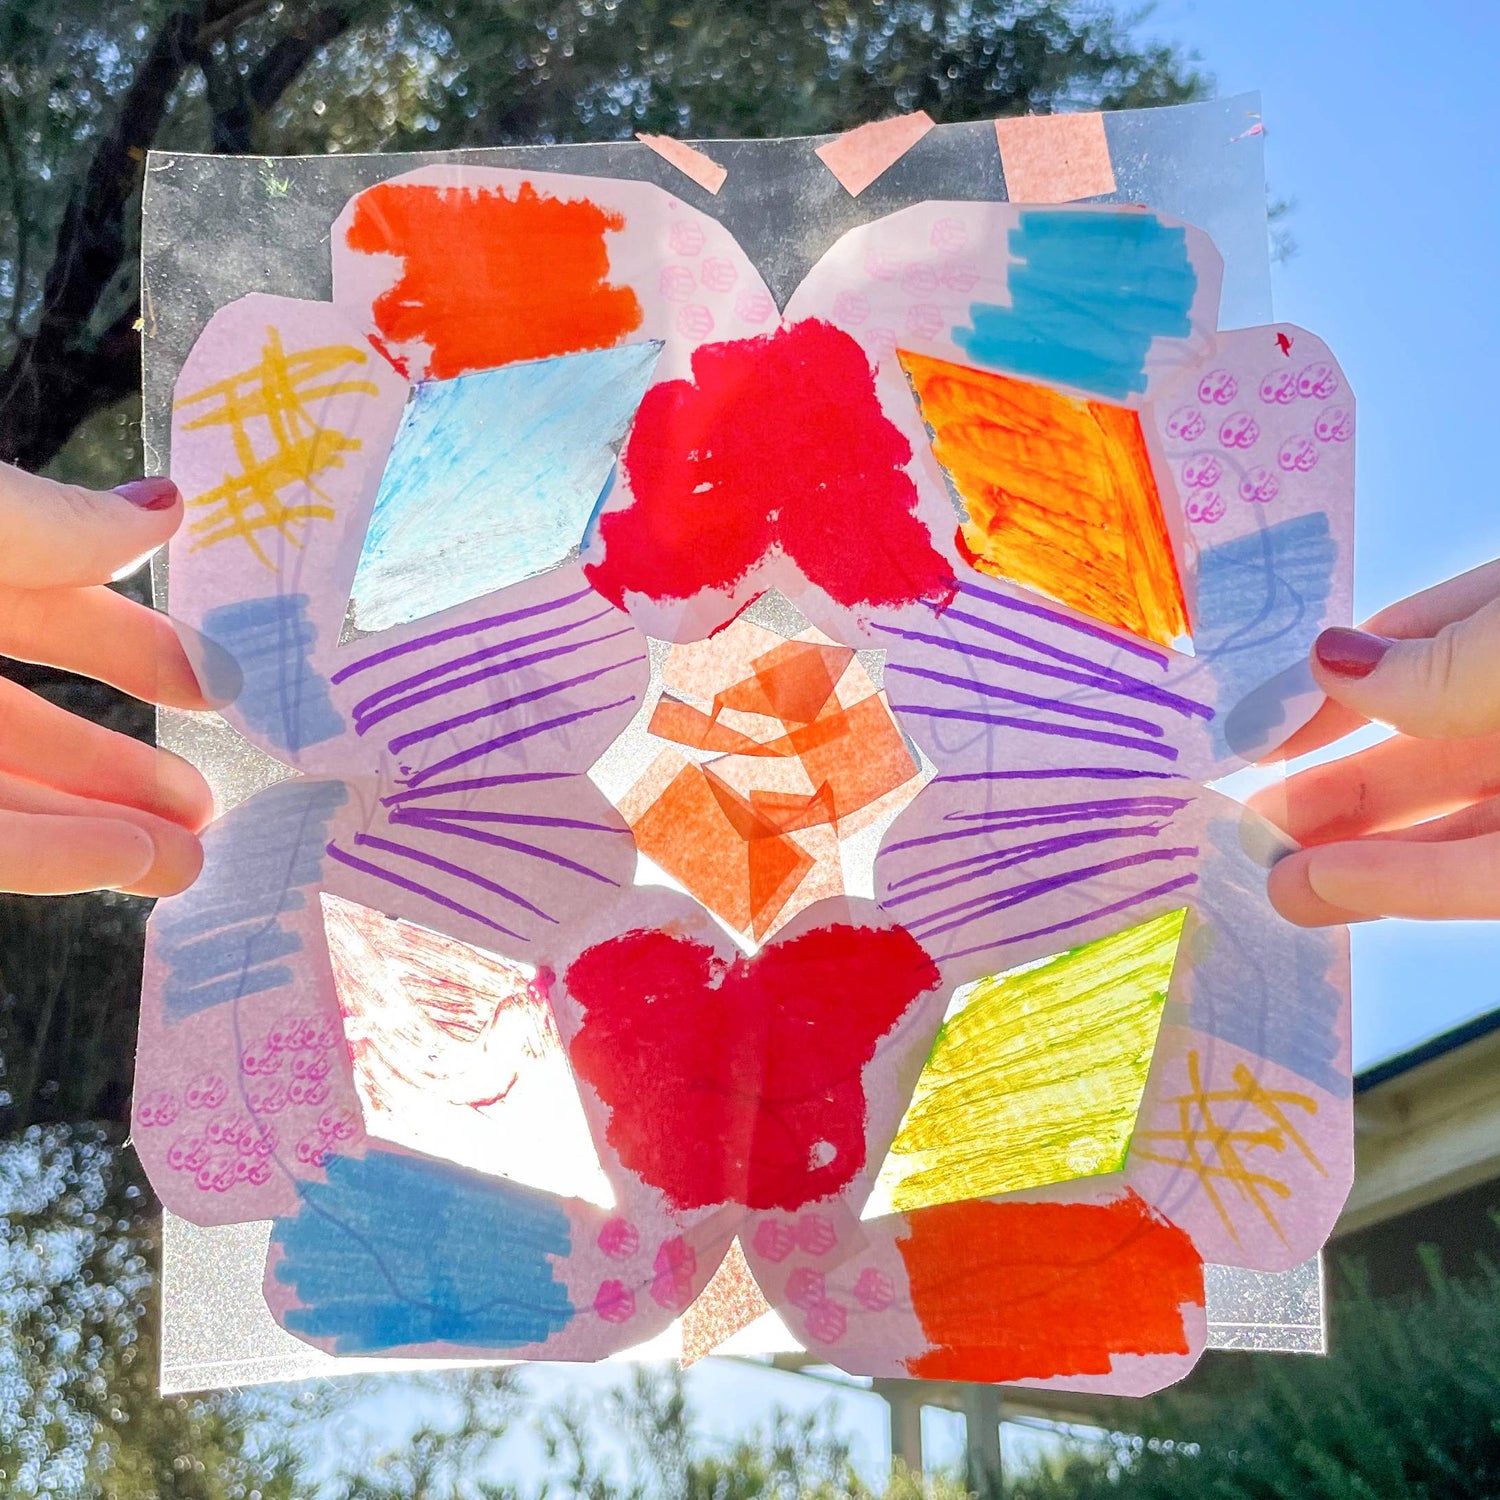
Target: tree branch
<point>278,69</point>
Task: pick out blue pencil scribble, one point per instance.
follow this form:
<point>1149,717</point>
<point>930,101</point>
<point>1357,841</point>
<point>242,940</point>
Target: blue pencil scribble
<point>1261,600</point>
<point>222,940</point>
<point>1091,293</point>
<point>282,697</point>
<point>396,1250</point>
<point>1258,981</point>
<point>493,478</point>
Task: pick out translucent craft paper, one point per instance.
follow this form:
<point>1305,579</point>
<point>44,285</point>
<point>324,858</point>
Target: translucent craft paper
<point>744,839</point>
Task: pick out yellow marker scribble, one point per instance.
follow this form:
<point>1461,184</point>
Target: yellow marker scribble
<point>1039,1076</point>
<point>279,392</point>
<point>1214,1150</point>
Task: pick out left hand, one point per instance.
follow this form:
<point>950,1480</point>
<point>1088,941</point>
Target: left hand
<point>82,807</point>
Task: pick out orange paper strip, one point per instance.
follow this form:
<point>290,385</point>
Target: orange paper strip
<point>690,161</point>
<point>859,156</point>
<point>1054,158</point>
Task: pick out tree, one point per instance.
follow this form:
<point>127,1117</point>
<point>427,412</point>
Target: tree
<point>1406,1403</point>
<point>87,87</point>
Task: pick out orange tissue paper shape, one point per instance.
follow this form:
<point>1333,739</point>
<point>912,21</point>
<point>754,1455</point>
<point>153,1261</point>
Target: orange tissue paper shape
<point>1060,494</point>
<point>731,1301</point>
<point>1055,158</point>
<point>859,156</point>
<point>688,160</point>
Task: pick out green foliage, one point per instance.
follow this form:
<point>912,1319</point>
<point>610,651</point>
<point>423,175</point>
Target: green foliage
<point>1407,1404</point>
<point>79,1413</point>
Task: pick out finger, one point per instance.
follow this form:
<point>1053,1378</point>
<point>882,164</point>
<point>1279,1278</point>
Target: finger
<point>43,743</point>
<point>1393,784</point>
<point>62,534</point>
<point>1456,879</point>
<point>177,854</point>
<point>43,854</point>
<point>1482,817</point>
<point>1443,604</point>
<point>1331,722</point>
<point>1296,900</point>
<point>1423,614</point>
<point>1445,686</point>
<point>109,637</point>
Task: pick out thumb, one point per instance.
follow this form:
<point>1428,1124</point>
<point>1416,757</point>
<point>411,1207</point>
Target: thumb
<point>1444,687</point>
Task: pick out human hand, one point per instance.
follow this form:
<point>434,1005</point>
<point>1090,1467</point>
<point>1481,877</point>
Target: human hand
<point>82,807</point>
<point>1409,827</point>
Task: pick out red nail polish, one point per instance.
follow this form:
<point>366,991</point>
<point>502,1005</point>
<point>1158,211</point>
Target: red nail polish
<point>1350,653</point>
<point>149,494</point>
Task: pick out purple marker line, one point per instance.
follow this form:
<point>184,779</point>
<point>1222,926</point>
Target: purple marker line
<point>476,752</point>
<point>505,705</point>
<point>1103,773</point>
<point>1034,888</point>
<point>991,861</point>
<point>526,820</point>
<point>1040,817</point>
<point>1165,889</point>
<point>415,817</point>
<point>1104,807</point>
<point>483,674</point>
<point>1115,679</point>
<point>417,889</point>
<point>474,784</point>
<point>1120,685</point>
<point>473,658</point>
<point>1097,632</point>
<point>422,857</point>
<point>1050,705</point>
<point>1066,731</point>
<point>454,632</point>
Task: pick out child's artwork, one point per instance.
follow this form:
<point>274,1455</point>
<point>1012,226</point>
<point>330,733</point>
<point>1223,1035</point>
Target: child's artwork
<point>746,837</point>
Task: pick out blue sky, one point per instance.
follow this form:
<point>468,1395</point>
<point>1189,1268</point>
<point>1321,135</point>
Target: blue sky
<point>1381,125</point>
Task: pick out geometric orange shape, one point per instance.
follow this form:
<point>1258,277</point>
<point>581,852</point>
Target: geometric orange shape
<point>1059,492</point>
<point>792,682</point>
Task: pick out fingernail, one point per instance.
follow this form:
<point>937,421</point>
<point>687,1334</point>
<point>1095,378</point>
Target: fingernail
<point>149,494</point>
<point>1350,653</point>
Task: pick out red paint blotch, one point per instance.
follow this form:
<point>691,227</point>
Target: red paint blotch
<point>741,1081</point>
<point>776,442</point>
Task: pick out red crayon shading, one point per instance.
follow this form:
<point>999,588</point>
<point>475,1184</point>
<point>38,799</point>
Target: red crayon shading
<point>777,441</point>
<point>741,1081</point>
<point>1066,1287</point>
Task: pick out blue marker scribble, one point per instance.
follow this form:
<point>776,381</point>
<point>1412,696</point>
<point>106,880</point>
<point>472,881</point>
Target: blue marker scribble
<point>493,478</point>
<point>1261,600</point>
<point>1090,294</point>
<point>282,696</point>
<point>222,939</point>
<point>397,1250</point>
<point>1260,982</point>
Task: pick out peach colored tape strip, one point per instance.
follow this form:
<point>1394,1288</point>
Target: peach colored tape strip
<point>1054,158</point>
<point>690,161</point>
<point>859,156</point>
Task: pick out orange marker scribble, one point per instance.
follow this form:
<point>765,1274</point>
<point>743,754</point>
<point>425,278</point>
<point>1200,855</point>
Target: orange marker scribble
<point>1059,492</point>
<point>277,396</point>
<point>489,279</point>
<point>1215,1150</point>
<point>1028,1291</point>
